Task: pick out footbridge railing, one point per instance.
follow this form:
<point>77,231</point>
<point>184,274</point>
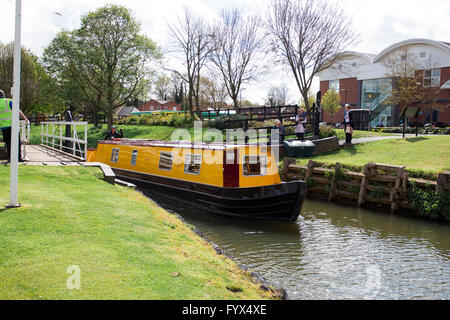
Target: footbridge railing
<point>66,137</point>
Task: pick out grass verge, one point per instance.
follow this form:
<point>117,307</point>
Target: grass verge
<point>421,154</point>
<point>124,244</point>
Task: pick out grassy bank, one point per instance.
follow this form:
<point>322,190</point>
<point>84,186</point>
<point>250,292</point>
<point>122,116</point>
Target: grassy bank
<point>163,133</point>
<point>361,134</point>
<point>125,246</point>
<point>427,154</point>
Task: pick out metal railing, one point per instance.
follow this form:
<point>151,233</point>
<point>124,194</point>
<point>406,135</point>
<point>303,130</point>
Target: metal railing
<point>52,136</point>
<point>24,129</point>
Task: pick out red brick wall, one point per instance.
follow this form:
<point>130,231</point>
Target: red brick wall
<point>158,106</point>
<point>349,94</point>
<point>435,94</point>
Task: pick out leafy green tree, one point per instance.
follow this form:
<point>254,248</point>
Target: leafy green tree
<point>104,63</point>
<point>330,102</point>
<point>33,78</point>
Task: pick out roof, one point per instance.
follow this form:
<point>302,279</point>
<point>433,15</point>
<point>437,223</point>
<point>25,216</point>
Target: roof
<point>443,45</point>
<point>124,111</point>
<point>446,85</point>
<point>178,144</point>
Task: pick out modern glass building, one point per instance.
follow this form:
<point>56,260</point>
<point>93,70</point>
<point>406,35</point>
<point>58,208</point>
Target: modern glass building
<point>375,96</point>
<point>365,81</point>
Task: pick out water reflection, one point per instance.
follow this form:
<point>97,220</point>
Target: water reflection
<point>336,252</point>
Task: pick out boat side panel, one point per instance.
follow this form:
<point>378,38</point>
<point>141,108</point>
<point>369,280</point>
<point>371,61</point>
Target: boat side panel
<point>148,158</point>
<point>271,176</point>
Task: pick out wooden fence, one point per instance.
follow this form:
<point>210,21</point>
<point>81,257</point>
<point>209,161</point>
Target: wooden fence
<point>260,114</point>
<point>378,184</point>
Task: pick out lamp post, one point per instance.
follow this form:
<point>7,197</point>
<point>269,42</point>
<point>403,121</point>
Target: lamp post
<point>14,173</point>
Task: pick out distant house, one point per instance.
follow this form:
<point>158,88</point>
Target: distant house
<point>156,105</point>
<point>123,112</point>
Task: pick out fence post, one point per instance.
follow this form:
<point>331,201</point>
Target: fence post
<point>362,189</point>
<point>85,140</point>
<point>60,138</point>
<point>53,135</point>
<point>333,182</point>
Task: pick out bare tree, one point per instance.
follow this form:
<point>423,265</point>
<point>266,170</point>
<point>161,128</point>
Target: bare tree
<point>278,96</point>
<point>213,92</point>
<point>401,67</point>
<point>162,87</point>
<point>191,37</point>
<point>308,36</point>
<point>237,40</point>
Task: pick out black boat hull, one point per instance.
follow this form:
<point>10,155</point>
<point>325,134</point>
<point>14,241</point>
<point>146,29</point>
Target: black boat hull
<point>281,202</point>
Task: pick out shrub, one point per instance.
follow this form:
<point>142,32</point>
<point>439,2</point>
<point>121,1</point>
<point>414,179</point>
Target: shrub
<point>428,203</point>
<point>326,132</point>
<point>223,122</point>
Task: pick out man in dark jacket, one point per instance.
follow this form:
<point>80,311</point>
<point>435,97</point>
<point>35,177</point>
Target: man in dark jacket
<point>348,122</point>
<point>114,134</point>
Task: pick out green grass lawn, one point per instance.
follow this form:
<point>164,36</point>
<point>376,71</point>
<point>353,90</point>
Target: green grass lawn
<point>361,134</point>
<point>429,154</point>
<point>162,133</point>
<point>125,246</point>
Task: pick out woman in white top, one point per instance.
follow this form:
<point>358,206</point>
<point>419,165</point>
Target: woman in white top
<point>300,120</point>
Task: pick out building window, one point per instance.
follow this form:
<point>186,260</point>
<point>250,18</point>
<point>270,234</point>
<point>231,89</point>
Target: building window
<point>193,164</point>
<point>115,155</point>
<point>254,166</point>
<point>134,157</point>
<point>432,78</point>
<point>165,161</point>
<point>422,54</point>
<point>334,84</point>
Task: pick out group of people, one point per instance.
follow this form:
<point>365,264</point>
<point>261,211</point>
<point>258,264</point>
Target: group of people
<point>300,122</point>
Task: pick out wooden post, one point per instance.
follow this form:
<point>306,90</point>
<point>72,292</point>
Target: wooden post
<point>364,183</point>
<point>333,182</point>
<point>395,191</point>
<point>442,183</point>
<point>311,164</point>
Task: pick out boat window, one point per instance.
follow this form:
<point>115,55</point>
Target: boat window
<point>115,155</point>
<point>165,161</point>
<point>193,163</point>
<point>134,157</point>
<point>254,166</point>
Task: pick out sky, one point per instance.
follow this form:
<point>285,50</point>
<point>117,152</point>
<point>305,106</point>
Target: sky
<point>379,23</point>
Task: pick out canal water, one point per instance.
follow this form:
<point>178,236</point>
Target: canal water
<point>336,252</point>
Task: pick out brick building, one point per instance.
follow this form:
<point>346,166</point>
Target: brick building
<point>361,80</point>
<point>155,105</point>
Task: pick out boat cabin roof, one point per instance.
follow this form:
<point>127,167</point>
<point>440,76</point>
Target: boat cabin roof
<point>177,144</point>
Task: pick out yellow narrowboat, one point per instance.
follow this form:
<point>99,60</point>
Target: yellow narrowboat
<point>232,180</point>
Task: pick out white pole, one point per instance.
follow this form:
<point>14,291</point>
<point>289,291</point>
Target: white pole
<point>14,174</point>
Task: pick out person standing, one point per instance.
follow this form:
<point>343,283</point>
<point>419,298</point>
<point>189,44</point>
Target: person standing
<point>300,120</point>
<point>348,122</point>
<point>6,123</point>
<point>114,134</point>
<point>281,130</point>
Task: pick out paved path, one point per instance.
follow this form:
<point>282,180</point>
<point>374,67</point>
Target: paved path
<point>369,139</point>
<point>378,138</point>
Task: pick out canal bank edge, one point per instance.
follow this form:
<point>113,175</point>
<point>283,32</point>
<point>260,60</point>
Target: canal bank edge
<point>265,284</point>
<point>90,223</point>
<point>378,185</point>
